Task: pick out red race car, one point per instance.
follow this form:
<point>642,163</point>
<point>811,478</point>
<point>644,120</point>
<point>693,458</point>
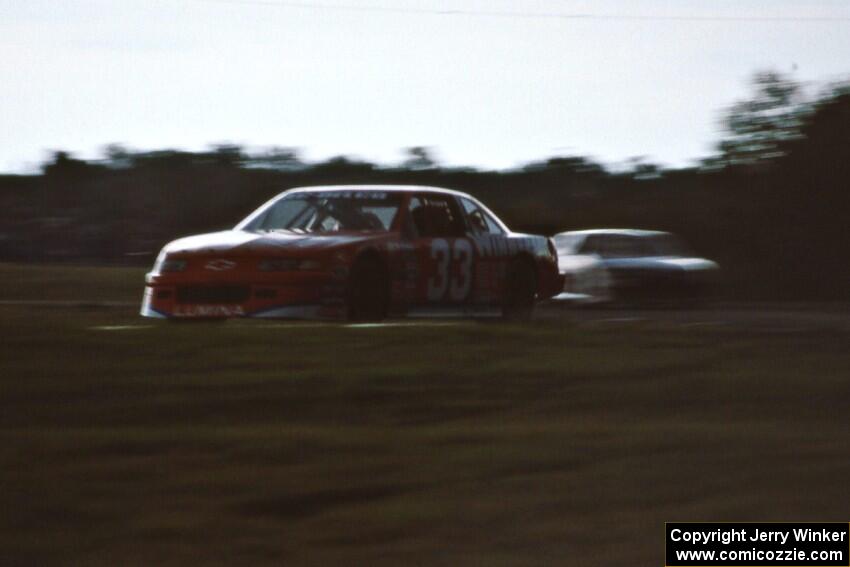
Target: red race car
<point>357,252</point>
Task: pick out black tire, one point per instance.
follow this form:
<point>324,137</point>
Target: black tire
<point>368,290</point>
<point>520,291</point>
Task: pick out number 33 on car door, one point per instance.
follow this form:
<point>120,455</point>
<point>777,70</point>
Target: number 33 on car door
<point>452,279</point>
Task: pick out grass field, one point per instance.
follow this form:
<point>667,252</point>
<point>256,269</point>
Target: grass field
<point>128,442</point>
<point>70,283</point>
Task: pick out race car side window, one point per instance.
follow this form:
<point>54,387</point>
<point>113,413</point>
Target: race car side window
<point>479,220</point>
<point>435,216</point>
<point>614,246</point>
<point>626,247</point>
<point>591,245</point>
<point>281,213</point>
<point>567,243</point>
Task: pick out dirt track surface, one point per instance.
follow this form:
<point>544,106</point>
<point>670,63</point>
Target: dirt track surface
<point>777,317</point>
<point>791,317</point>
<point>119,290</point>
<point>570,440</point>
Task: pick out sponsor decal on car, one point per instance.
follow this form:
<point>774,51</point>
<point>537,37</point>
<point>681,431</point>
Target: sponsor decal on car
<point>489,246</point>
<point>208,311</point>
<point>220,265</point>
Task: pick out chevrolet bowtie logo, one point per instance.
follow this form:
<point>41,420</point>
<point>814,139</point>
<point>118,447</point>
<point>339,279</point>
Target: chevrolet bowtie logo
<point>220,265</point>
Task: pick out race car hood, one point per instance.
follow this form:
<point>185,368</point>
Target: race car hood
<point>245,243</point>
<point>661,263</point>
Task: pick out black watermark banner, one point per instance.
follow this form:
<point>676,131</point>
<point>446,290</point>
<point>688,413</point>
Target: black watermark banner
<point>758,544</point>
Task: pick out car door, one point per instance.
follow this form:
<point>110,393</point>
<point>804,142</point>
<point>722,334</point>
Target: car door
<point>492,252</point>
<point>444,250</point>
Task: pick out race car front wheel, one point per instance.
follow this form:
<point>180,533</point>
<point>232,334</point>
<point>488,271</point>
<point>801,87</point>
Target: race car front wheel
<point>368,290</point>
<point>520,291</point>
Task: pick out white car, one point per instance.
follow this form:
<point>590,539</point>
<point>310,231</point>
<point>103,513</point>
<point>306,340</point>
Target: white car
<point>631,265</point>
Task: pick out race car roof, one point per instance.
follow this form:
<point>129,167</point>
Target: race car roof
<point>389,188</point>
<point>377,188</point>
<point>618,231</point>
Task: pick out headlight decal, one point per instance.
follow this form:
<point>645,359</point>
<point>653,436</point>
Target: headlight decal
<point>170,266</point>
<point>310,265</point>
<point>277,264</point>
<point>288,265</point>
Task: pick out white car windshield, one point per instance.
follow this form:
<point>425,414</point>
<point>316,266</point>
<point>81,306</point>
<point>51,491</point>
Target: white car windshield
<point>631,246</point>
<point>331,211</point>
<point>669,245</point>
<point>567,243</point>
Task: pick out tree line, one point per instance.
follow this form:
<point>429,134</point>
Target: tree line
<point>771,205</point>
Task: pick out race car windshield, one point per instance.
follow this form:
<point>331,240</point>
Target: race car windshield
<point>669,245</point>
<point>348,211</point>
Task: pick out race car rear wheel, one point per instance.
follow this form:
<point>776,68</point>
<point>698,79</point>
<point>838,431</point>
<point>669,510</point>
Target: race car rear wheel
<point>520,291</point>
<point>368,290</point>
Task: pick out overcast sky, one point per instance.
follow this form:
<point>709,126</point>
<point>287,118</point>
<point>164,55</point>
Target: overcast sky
<point>481,87</point>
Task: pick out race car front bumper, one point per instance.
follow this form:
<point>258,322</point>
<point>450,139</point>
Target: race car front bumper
<point>219,301</point>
